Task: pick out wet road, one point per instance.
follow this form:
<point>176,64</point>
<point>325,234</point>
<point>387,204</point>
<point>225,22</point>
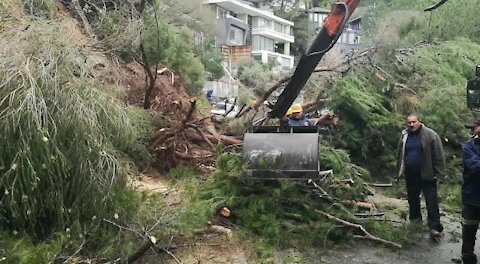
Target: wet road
<point>424,251</point>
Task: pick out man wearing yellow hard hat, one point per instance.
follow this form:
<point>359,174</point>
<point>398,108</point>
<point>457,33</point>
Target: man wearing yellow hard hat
<point>296,117</point>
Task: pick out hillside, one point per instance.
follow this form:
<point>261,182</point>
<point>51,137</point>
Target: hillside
<point>109,144</point>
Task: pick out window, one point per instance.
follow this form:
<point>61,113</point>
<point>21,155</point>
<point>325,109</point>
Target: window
<point>221,13</point>
<point>260,22</point>
<point>322,18</point>
<point>272,59</point>
<point>263,43</point>
<point>285,62</point>
<point>278,27</point>
<point>237,35</point>
<point>255,21</point>
<point>257,57</point>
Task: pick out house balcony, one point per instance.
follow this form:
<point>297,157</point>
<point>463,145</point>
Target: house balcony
<point>273,34</point>
<point>285,61</point>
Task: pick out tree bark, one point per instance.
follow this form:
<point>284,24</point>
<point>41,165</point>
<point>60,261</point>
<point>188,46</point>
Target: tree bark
<point>150,85</point>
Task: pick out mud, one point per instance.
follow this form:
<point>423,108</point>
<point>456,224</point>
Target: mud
<point>425,250</point>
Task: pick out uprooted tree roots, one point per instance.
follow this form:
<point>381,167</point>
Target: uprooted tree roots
<point>189,139</point>
<point>192,139</point>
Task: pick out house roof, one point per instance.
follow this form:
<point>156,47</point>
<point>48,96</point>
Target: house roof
<point>242,8</point>
<point>319,10</point>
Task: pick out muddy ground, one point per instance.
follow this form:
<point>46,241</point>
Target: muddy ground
<point>424,250</point>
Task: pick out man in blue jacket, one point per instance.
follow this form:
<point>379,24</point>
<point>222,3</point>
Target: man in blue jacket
<point>297,118</point>
<point>471,193</point>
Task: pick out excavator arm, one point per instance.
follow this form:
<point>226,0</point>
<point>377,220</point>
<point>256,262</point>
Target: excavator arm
<point>324,41</point>
<point>273,152</point>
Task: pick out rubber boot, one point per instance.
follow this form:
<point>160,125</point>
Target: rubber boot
<point>468,244</point>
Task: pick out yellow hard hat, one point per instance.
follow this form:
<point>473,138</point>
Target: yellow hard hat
<point>289,112</point>
<point>296,108</point>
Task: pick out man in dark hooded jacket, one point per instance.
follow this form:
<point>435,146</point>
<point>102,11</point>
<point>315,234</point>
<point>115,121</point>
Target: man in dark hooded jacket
<point>471,193</point>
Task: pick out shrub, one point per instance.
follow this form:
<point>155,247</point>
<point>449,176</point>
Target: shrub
<point>119,31</point>
<point>59,164</point>
<point>255,75</point>
<point>211,59</point>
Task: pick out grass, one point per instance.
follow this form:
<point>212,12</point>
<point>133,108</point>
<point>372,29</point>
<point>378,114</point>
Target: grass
<point>96,240</point>
<point>38,8</point>
<point>451,197</point>
<point>67,134</point>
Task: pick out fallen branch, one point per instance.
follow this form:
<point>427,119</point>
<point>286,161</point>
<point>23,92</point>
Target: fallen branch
<point>325,195</point>
<point>190,157</point>
<point>322,193</point>
<point>74,253</point>
<point>369,214</point>
<point>379,184</point>
<point>382,71</point>
<point>231,108</point>
<point>137,254</point>
<point>272,89</point>
<point>366,234</point>
<point>202,135</point>
<point>284,80</point>
<point>240,111</point>
<point>228,140</point>
<point>349,181</point>
<point>435,6</point>
<point>311,106</point>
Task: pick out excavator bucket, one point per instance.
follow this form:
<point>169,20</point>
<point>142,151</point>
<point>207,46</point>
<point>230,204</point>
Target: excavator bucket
<point>272,153</point>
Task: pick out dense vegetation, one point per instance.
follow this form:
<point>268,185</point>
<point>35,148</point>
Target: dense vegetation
<point>69,138</point>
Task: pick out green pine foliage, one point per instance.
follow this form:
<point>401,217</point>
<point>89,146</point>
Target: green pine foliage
<point>121,32</point>
<point>65,131</point>
<point>211,59</point>
<point>283,213</point>
<point>164,45</point>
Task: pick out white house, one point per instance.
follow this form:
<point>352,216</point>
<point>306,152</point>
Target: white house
<point>350,38</point>
<point>240,23</point>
